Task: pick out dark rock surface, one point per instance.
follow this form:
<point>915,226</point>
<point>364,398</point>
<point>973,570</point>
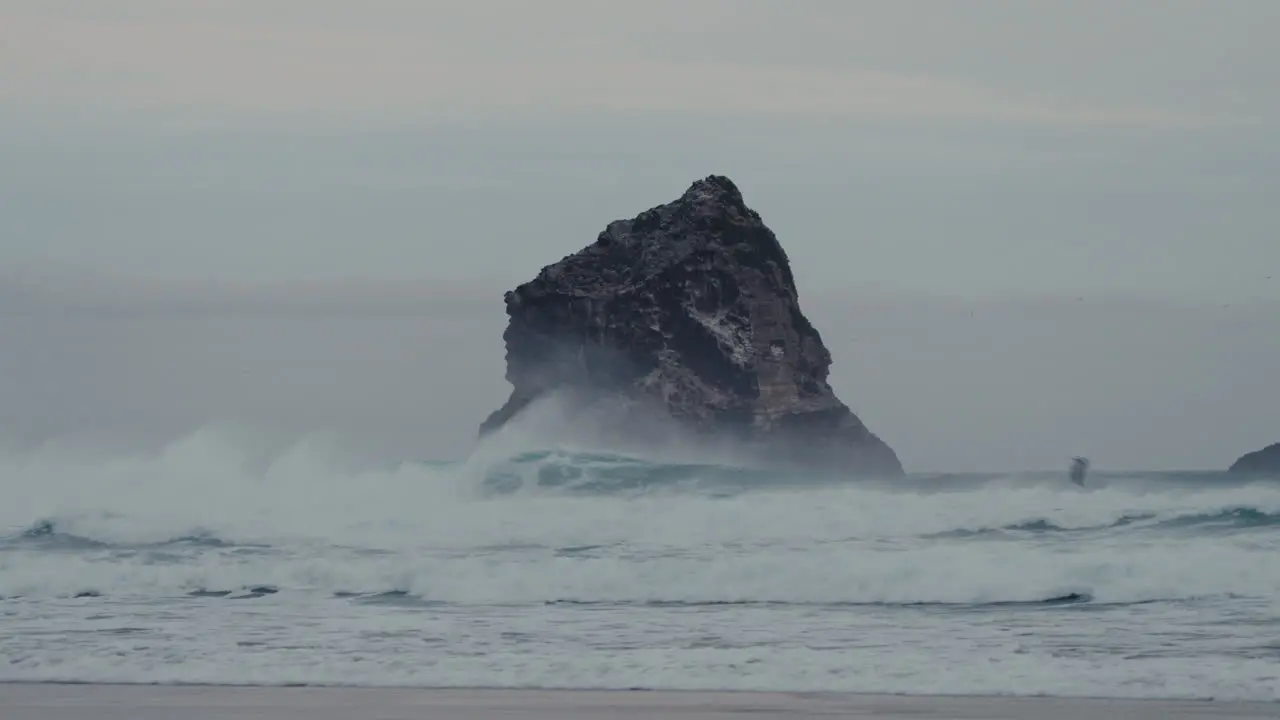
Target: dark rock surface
<point>688,312</point>
<point>1264,461</point>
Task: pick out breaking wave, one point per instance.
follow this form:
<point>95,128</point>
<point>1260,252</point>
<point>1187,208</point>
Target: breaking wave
<point>207,519</point>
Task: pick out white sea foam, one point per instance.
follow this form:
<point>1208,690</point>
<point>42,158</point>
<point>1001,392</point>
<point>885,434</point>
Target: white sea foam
<point>206,483</point>
<point>210,514</point>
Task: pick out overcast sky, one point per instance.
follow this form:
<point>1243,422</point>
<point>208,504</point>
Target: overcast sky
<point>1026,229</point>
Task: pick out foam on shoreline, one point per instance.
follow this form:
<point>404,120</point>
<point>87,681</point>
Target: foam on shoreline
<point>51,701</point>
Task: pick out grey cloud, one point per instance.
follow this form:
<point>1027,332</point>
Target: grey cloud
<point>318,62</point>
<point>243,240</point>
<point>865,208</point>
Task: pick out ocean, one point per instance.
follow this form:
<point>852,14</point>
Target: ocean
<point>215,563</point>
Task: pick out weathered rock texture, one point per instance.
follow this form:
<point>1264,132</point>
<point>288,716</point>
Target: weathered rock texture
<point>1265,461</point>
<point>689,308</point>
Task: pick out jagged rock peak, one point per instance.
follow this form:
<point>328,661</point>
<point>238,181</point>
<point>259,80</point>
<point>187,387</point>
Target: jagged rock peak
<point>717,191</point>
<point>690,311</point>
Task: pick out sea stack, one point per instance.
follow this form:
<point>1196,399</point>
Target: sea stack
<point>687,313</point>
<point>1259,462</point>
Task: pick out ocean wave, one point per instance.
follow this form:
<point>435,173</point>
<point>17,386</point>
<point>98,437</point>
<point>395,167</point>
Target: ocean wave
<point>47,534</point>
<point>819,575</point>
<point>1226,518</point>
<point>205,516</point>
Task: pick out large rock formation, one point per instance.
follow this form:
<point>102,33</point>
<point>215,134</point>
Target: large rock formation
<point>689,311</point>
<point>1262,462</point>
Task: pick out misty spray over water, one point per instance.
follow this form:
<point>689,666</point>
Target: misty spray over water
<point>679,573</point>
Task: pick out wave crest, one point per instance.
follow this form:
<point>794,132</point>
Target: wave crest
<point>557,525</point>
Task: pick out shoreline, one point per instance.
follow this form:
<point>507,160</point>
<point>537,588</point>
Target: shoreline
<point>50,700</point>
<point>623,690</point>
<point>620,690</point>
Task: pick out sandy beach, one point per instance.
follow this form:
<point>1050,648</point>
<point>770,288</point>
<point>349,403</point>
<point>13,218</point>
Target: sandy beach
<point>150,702</point>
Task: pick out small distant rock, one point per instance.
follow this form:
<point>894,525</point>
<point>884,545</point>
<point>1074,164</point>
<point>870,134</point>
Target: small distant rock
<point>1259,462</point>
<point>688,310</point>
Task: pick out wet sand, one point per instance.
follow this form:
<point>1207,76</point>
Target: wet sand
<point>151,702</point>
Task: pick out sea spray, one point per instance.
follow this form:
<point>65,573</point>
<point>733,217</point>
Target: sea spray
<point>686,573</point>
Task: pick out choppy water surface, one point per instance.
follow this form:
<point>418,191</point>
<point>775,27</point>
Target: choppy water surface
<point>553,569</point>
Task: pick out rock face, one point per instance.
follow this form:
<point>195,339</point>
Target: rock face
<point>687,311</point>
<point>1265,461</point>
